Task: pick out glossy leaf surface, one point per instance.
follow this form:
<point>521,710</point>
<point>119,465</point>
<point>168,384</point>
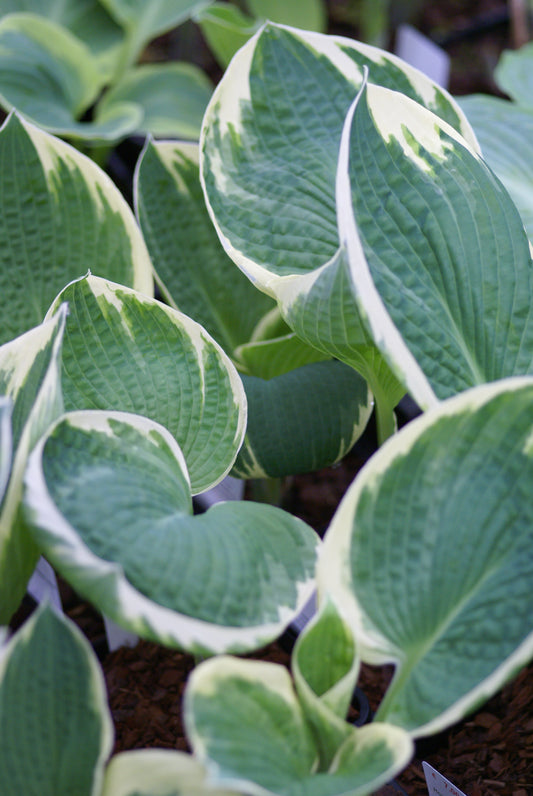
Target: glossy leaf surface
<point>429,556</point>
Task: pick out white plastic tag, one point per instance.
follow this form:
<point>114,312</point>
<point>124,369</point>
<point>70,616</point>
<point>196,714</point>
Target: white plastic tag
<point>437,784</point>
<point>422,53</point>
<point>43,585</point>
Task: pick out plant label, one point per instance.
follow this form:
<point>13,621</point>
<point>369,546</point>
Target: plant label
<point>437,784</point>
<point>422,53</point>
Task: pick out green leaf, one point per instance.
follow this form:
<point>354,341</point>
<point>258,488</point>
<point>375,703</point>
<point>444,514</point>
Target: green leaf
<point>128,352</point>
<point>157,772</point>
<point>246,725</point>
<point>429,556</point>
<point>54,721</point>
<point>440,263</point>
<point>514,74</point>
<point>109,502</point>
<point>173,98</point>
<point>505,133</point>
<point>60,216</point>
<point>192,269</point>
<point>226,29</point>
<point>326,667</point>
<point>302,420</point>
<point>307,14</point>
<point>86,19</point>
<point>30,378</point>
<point>270,145</point>
<point>51,76</point>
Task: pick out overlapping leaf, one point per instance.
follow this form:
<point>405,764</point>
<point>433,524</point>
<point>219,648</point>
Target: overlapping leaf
<point>60,216</point>
<point>270,149</point>
<point>107,496</point>
<point>247,726</point>
<point>429,556</point>
<point>128,352</point>
<point>30,382</point>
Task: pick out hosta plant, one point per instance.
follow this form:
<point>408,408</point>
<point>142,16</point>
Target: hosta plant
<point>348,187</point>
<point>505,128</point>
<point>321,405</point>
<point>72,68</point>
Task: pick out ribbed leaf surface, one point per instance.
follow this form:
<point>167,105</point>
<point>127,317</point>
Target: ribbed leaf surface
<point>109,501</point>
<point>128,352</point>
<point>429,556</point>
<point>60,216</point>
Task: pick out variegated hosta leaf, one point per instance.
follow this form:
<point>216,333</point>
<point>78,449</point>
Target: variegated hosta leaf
<point>439,259</point>
<point>86,19</point>
<point>326,666</point>
<point>505,133</point>
<point>30,379</point>
<point>51,76</point>
<point>302,420</point>
<point>429,556</point>
<point>109,503</point>
<point>157,772</point>
<point>60,215</point>
<point>246,725</point>
<point>193,271</point>
<point>173,97</point>
<point>54,721</point>
<point>270,145</point>
<point>514,74</point>
<point>129,352</point>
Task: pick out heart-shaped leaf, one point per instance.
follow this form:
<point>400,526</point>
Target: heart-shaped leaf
<point>60,216</point>
<point>129,352</point>
<point>514,76</point>
<point>30,380</point>
<point>55,724</point>
<point>429,556</point>
<point>109,502</point>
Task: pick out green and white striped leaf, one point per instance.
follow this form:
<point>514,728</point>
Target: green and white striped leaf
<point>514,74</point>
<point>302,420</point>
<point>157,772</point>
<point>505,133</point>
<point>51,76</point>
<point>192,269</point>
<point>30,380</point>
<point>326,667</point>
<point>126,351</point>
<point>429,556</point>
<point>270,146</point>
<point>86,19</point>
<point>440,263</point>
<point>246,725</point>
<point>107,496</point>
<point>173,97</point>
<point>60,215</point>
<point>54,721</point>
